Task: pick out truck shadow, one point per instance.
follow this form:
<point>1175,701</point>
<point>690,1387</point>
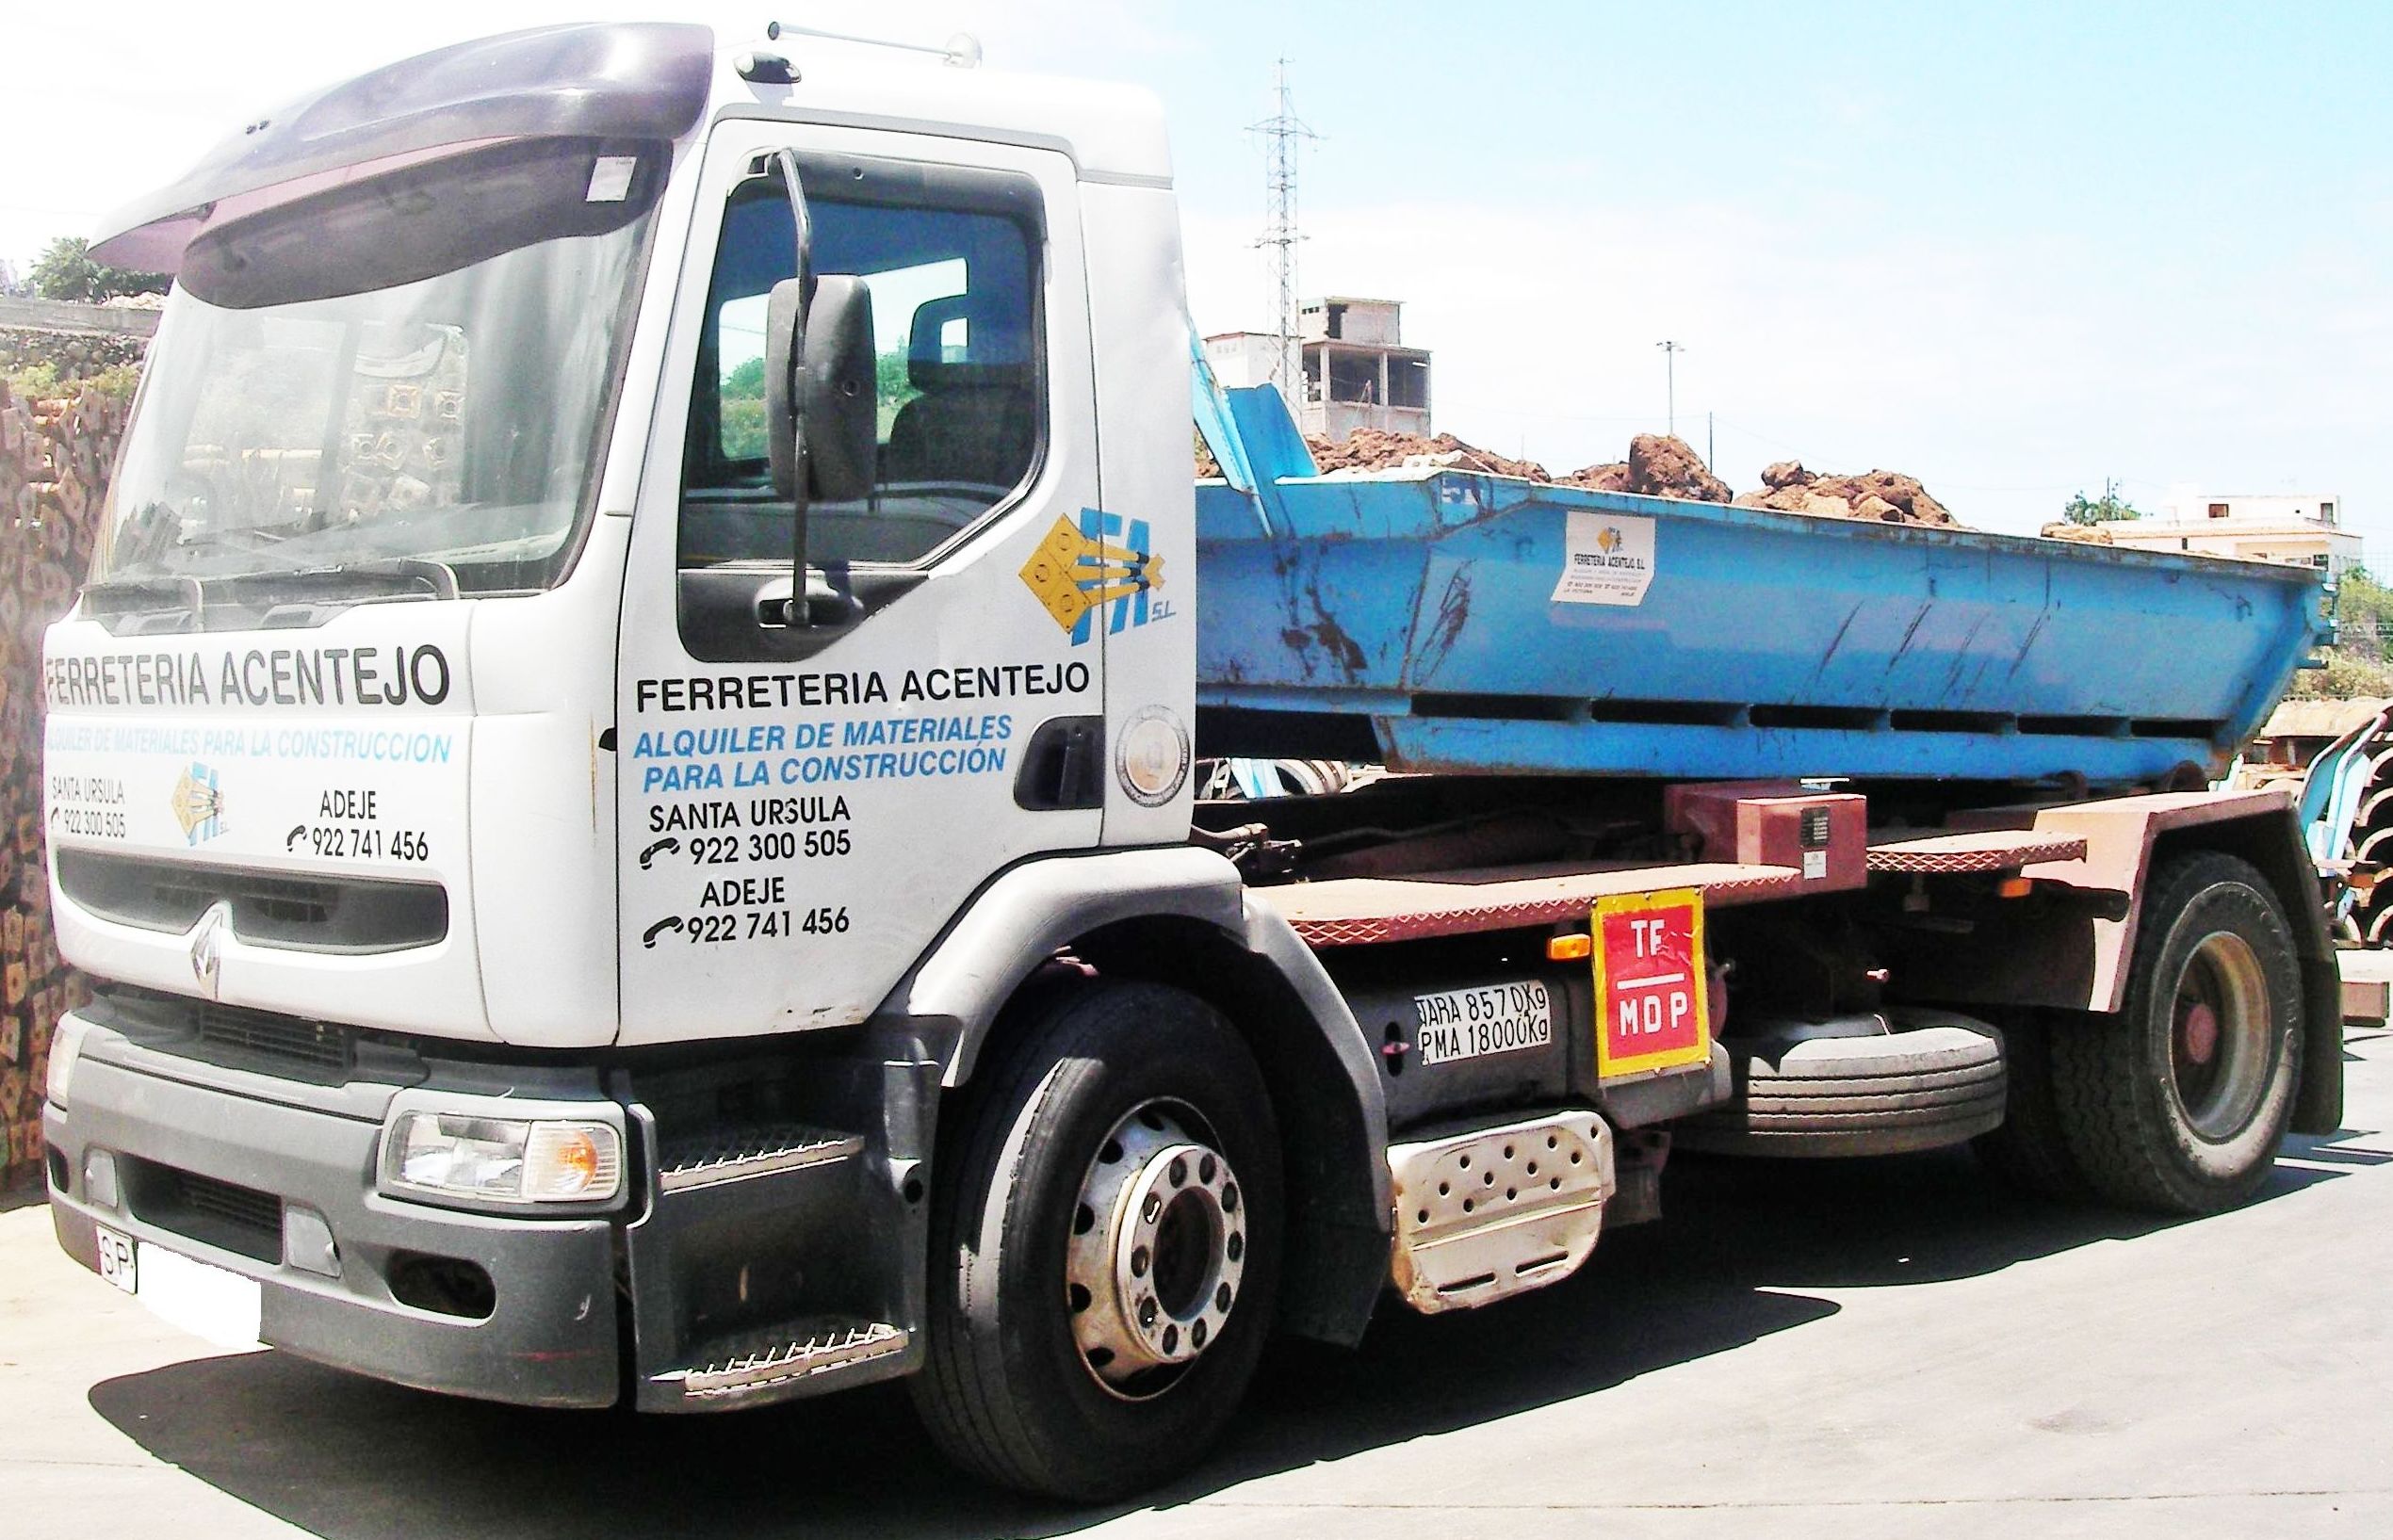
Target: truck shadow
<point>351,1459</point>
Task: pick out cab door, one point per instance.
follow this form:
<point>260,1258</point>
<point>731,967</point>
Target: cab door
<point>805,807</point>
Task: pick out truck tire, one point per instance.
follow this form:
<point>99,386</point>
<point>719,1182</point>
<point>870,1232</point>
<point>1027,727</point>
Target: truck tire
<point>2178,1102</point>
<point>1105,1245</point>
<point>2029,1151</point>
<point>1915,1088</point>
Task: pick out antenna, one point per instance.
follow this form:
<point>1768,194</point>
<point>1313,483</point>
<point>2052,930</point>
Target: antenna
<point>1284,131</point>
<point>963,50</point>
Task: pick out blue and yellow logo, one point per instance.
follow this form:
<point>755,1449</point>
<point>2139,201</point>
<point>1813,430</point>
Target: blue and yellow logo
<point>1106,566</point>
<point>198,804</point>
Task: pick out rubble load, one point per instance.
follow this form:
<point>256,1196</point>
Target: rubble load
<point>1887,496</point>
<point>55,458</point>
<point>1374,449</point>
<point>1659,466</point>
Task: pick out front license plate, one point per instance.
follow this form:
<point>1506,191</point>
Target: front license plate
<point>116,1260</point>
<point>1651,996</point>
<point>1495,1018</point>
<point>210,1303</point>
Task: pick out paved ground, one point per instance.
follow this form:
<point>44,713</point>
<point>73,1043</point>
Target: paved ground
<point>1878,1349</point>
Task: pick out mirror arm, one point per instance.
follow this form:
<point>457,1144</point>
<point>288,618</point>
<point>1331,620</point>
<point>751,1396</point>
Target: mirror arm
<point>800,609</point>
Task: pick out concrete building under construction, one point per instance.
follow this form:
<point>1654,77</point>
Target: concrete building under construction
<point>1358,372</point>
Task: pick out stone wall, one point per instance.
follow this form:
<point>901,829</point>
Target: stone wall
<point>55,456</point>
<point>76,341</point>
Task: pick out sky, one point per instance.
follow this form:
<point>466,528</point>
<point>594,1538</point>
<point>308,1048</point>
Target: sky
<point>2016,250</point>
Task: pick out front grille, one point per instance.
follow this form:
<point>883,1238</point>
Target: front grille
<point>267,909</point>
<point>287,1040</point>
<point>217,1213</point>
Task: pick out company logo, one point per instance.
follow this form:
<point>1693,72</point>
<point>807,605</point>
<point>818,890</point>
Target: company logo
<point>1608,539</point>
<point>1103,571</point>
<point>198,804</point>
<point>207,948</point>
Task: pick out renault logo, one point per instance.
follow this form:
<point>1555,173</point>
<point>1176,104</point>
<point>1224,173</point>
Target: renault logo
<point>207,948</point>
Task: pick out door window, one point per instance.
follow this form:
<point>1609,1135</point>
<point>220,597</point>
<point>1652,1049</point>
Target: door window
<point>951,260</point>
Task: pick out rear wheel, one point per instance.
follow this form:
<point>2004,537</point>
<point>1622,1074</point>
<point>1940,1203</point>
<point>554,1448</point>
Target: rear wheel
<point>2179,1102</point>
<point>1105,1250</point>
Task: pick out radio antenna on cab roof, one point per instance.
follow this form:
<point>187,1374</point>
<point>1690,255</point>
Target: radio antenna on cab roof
<point>963,50</point>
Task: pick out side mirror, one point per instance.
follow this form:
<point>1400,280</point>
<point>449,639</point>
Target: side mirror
<point>841,399</point>
<point>784,343</point>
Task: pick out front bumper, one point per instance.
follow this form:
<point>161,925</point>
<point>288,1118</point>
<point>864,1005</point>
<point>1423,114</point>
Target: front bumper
<point>550,1336</point>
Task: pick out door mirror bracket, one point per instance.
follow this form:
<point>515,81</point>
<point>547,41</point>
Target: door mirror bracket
<point>821,393</point>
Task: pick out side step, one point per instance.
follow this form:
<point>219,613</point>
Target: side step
<point>736,1156</point>
<point>1487,1213</point>
<point>765,1365</point>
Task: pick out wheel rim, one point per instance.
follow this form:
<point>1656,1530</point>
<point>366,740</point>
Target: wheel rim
<point>1158,1251</point>
<point>2219,1036</point>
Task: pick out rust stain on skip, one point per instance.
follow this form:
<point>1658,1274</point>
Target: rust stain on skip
<point>1453,613</point>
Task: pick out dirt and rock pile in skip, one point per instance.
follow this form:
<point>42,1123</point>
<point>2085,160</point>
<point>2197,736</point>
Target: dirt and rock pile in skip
<point>1659,466</point>
<point>1375,450</point>
<point>1880,497</point>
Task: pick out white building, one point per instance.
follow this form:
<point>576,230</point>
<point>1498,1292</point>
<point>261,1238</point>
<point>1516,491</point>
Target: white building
<point>1358,372</point>
<point>2301,528</point>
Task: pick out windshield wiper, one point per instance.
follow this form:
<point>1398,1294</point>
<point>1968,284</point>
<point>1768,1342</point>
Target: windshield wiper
<point>150,599</point>
<point>120,596</point>
<point>386,576</point>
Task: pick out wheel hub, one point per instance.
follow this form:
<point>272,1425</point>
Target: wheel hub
<point>1158,1251</point>
<point>2219,1038</point>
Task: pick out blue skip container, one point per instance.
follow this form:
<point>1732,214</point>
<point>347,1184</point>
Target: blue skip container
<point>1485,623</point>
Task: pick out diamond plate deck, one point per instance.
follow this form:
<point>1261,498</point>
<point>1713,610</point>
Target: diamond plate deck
<point>1992,849</point>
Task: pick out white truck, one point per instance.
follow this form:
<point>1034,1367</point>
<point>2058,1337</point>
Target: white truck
<point>624,772</point>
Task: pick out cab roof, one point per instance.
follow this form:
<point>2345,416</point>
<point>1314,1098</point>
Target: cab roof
<point>647,80</point>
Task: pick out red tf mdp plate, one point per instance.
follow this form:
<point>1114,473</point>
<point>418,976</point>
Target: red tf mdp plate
<point>1650,1004</point>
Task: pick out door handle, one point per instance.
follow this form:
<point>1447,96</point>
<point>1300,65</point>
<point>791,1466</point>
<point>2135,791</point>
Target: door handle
<point>740,614</point>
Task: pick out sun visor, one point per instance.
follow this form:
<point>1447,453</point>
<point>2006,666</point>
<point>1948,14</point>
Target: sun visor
<point>625,81</point>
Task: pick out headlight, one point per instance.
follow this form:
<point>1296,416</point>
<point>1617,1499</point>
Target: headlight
<point>66,1043</point>
<point>464,1155</point>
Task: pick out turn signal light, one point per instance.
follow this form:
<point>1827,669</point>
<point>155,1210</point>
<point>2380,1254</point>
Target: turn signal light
<point>2016,888</point>
<point>1568,948</point>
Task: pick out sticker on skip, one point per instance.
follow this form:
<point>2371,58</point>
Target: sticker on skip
<point>1608,559</point>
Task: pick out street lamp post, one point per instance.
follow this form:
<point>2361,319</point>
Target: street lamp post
<point>1670,351</point>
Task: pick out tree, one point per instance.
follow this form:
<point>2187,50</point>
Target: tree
<point>2108,509</point>
<point>65,271</point>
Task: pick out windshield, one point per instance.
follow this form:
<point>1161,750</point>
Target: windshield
<point>414,371</point>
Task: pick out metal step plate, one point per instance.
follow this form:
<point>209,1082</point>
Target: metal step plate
<point>736,1154</point>
<point>763,1360</point>
<point>1492,1213</point>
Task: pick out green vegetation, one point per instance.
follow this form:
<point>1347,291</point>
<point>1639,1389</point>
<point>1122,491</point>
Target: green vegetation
<point>743,411</point>
<point>742,403</point>
<point>2107,508</point>
<point>65,271</point>
<point>2361,662</point>
<point>38,381</point>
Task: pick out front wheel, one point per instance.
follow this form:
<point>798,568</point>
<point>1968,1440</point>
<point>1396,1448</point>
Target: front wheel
<point>2179,1102</point>
<point>1105,1247</point>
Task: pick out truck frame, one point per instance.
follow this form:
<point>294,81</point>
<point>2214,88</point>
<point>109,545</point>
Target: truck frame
<point>624,776</point>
